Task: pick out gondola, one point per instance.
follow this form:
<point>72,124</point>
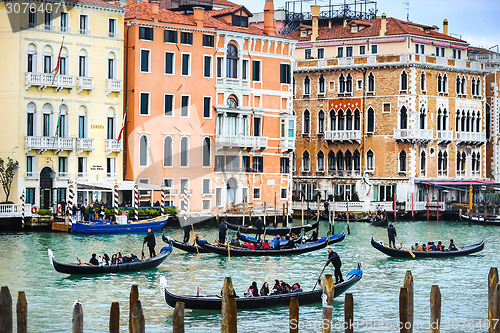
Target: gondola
<point>331,239</point>
<point>490,220</point>
<point>250,239</point>
<point>214,302</point>
<point>107,227</point>
<point>380,222</point>
<point>273,231</point>
<point>238,251</point>
<point>404,253</point>
<point>184,246</point>
<point>87,269</point>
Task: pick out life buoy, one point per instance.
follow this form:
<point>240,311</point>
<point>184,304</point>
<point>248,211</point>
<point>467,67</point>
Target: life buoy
<point>34,210</point>
<point>59,209</point>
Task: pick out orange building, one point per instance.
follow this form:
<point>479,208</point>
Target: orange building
<point>209,103</point>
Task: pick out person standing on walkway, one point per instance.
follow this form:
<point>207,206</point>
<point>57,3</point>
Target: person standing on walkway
<point>222,231</point>
<point>334,258</point>
<point>391,232</point>
<point>151,242</point>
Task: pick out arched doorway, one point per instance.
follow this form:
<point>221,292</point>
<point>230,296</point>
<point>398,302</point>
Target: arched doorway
<point>46,176</point>
<point>232,186</point>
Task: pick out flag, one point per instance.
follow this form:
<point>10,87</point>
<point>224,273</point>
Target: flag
<point>58,59</point>
<point>59,120</point>
<point>123,123</point>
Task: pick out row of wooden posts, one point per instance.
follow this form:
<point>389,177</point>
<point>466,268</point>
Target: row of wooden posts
<point>229,322</point>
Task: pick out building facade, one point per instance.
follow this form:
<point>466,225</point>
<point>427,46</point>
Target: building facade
<point>62,99</point>
<point>209,103</point>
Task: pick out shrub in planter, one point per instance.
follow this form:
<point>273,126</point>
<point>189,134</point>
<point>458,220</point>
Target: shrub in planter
<point>45,212</point>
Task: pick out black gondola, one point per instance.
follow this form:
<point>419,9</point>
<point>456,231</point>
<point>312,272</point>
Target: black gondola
<point>273,231</point>
<point>404,253</point>
<point>384,222</point>
<point>331,239</point>
<point>192,248</point>
<point>239,251</point>
<point>214,302</point>
<point>86,269</point>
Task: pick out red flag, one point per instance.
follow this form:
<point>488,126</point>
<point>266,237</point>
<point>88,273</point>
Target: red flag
<point>123,123</point>
<point>58,58</point>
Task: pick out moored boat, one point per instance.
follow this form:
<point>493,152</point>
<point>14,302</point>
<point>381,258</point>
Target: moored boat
<point>404,253</point>
<point>480,219</point>
<point>273,231</point>
<point>106,226</point>
<point>214,302</point>
<point>192,248</point>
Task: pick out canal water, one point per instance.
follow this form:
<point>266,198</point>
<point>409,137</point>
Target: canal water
<point>24,265</point>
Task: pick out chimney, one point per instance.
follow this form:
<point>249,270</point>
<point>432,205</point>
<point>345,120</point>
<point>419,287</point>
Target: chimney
<point>445,26</point>
<point>129,2</point>
<point>154,6</point>
<point>315,21</point>
<point>198,16</point>
<point>269,27</point>
<point>383,25</point>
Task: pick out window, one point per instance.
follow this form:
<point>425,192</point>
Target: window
<point>473,86</point>
<point>145,54</point>
<point>478,87</point>
<point>348,51</point>
<point>63,64</point>
<point>167,151</point>
<point>31,61</point>
<point>186,64</point>
<point>362,49</point>
<point>143,151</point>
<point>169,63</point>
<point>186,38</point>
<point>63,22</point>
<point>30,119</point>
<point>220,61</point>
<point>32,18</point>
<point>82,64</point>
<point>206,152</point>
<point>47,119</point>
<point>419,48</point>
<point>232,61</point>
<point>320,158</point>
<point>220,163</point>
<point>321,122</point>
<point>111,66</point>
<point>145,33</point>
<point>81,166</point>
<point>348,84</point>
<point>246,164</point>
<point>306,123</point>
<point>168,108</point>
<point>370,159</point>
<point>111,128</point>
<point>371,121</point>
<point>307,86</point>
<point>423,163</point>
<point>112,28</point>
<point>207,66</point>
<point>306,162</point>
<point>47,20</point>
<point>422,118</point>
<point>423,82</point>
<point>206,185</point>
<point>256,70</point>
<point>170,36</point>
<point>257,126</point>
<point>184,158</point>
<point>341,84</point>
<point>457,54</point>
<point>439,51</point>
<point>84,24</point>
<point>284,165</point>
<point>184,106</point>
<point>374,49</point>
<point>321,53</point>
<point>371,82</point>
<point>256,193</point>
<point>207,107</point>
<point>240,21</point>
<point>340,52</point>
<point>283,193</point>
<point>30,165</point>
<point>403,81</point>
<point>307,54</point>
<point>111,167</point>
<point>208,40</point>
<point>402,161</point>
<point>285,73</point>
<point>30,195</point>
<point>47,64</point>
<point>321,85</point>
<point>258,165</point>
<point>144,104</point>
<point>244,70</point>
<point>403,118</point>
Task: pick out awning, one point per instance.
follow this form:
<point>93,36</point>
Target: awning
<point>458,183</point>
<point>123,185</point>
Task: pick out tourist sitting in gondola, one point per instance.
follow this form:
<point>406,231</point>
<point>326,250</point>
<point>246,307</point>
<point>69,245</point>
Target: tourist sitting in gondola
<point>296,288</point>
<point>130,258</point>
<point>290,244</point>
<point>252,291</point>
<point>258,245</point>
<point>276,288</point>
<point>314,236</point>
<point>416,247</point>
<point>285,287</point>
<point>432,246</point>
<point>93,260</point>
<point>234,242</point>
<point>114,259</point>
<point>266,245</point>
<point>264,290</point>
<point>248,245</point>
<point>105,259</point>
<point>440,246</point>
<point>452,246</point>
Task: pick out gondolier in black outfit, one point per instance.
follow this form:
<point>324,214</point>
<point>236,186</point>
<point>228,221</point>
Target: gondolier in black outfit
<point>334,258</point>
<point>151,242</point>
<point>222,232</point>
<point>391,232</point>
<point>187,230</point>
<point>259,225</point>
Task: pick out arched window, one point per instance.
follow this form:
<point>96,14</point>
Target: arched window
<point>47,119</point>
<point>478,123</point>
<point>31,59</point>
<point>422,118</point>
<point>348,160</point>
<point>422,163</point>
<point>83,122</point>
<point>340,120</point>
<point>462,85</point>
<point>232,61</point>
<point>458,86</point>
<point>348,83</point>
<point>440,163</point>
<point>306,161</point>
<point>333,120</point>
<point>445,83</point>
<point>478,87</point>
<point>357,120</point>
<point>370,160</point>
<point>206,152</point>
<point>402,161</point>
<point>472,122</point>
<point>440,83</point>
<point>439,119</point>
<point>459,162</point>
<point>404,81</point>
<point>307,122</point>
<point>422,82</point>
<point>112,66</point>
<point>63,61</point>
<point>371,82</point>
<point>340,161</point>
<point>321,161</point>
<point>143,151</point>
<point>83,63</point>
<point>31,119</point>
<point>403,118</point>
<point>464,120</point>
<point>184,152</point>
<point>371,120</point>
<point>47,59</point>
<point>307,86</point>
<point>349,120</point>
<point>341,84</point>
<point>445,120</point>
<point>321,122</point>
<point>61,125</point>
<point>167,151</point>
<point>445,162</point>
<point>473,162</point>
<point>478,160</point>
<point>331,161</point>
<point>457,121</point>
<point>356,160</point>
<point>321,84</point>
<point>464,156</point>
<point>473,87</point>
<point>468,123</point>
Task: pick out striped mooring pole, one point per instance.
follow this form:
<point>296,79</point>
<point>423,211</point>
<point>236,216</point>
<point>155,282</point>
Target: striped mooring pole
<point>115,199</point>
<point>71,196</point>
<point>136,202</point>
<point>23,199</point>
<point>184,202</point>
<point>162,202</point>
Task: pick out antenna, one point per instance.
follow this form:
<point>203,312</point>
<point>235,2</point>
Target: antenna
<point>407,7</point>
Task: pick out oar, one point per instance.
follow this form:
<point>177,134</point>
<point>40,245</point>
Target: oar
<point>319,277</point>
<point>413,255</point>
<point>142,250</point>
<point>228,249</point>
<point>195,244</point>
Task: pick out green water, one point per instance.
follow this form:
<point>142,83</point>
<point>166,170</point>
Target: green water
<point>24,265</point>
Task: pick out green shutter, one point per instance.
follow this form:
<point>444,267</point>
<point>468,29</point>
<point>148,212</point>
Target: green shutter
<point>371,120</point>
<point>375,193</point>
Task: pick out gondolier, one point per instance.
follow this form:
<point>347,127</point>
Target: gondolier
<point>334,258</point>
<point>187,230</point>
<point>151,242</point>
<point>259,225</point>
<point>222,232</point>
<point>391,232</point>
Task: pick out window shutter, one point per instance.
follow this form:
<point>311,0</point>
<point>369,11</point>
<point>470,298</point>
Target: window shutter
<point>371,120</point>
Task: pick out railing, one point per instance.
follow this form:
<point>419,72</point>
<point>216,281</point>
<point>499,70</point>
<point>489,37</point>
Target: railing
<point>287,144</point>
<point>82,175</point>
<point>114,145</point>
<point>445,135</point>
<point>224,81</point>
<point>112,34</point>
<point>241,141</point>
<point>85,83</point>
<point>48,27</point>
<point>63,175</point>
<point>49,143</point>
<point>85,32</point>
<point>344,135</point>
<point>485,57</point>
<point>413,134</point>
<point>460,173</point>
<point>14,210</point>
<point>111,175</point>
<point>356,206</point>
<point>422,205</point>
<point>474,137</point>
<point>65,29</point>
<point>31,175</point>
<point>44,80</point>
<point>113,85</point>
<point>344,173</point>
<point>84,144</point>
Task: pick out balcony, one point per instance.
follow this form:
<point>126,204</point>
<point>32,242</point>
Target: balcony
<point>287,144</point>
<point>112,34</point>
<point>31,175</point>
<point>113,85</point>
<point>111,175</point>
<point>44,80</point>
<point>85,83</point>
<point>344,135</point>
<point>82,175</point>
<point>85,32</point>
<point>229,82</point>
<point>113,145</point>
<point>43,143</point>
<point>413,134</point>
<point>63,175</point>
<point>471,138</point>
<point>344,173</point>
<point>84,144</point>
<point>240,141</point>
<point>445,136</point>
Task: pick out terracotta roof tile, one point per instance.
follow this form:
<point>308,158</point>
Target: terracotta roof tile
<point>144,11</point>
<point>224,3</point>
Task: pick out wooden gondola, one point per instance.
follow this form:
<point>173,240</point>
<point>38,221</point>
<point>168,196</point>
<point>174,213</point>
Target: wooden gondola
<point>331,239</point>
<point>214,302</point>
<point>404,253</point>
<point>107,227</point>
<point>250,239</point>
<point>479,219</point>
<point>239,251</point>
<point>380,222</point>
<point>273,231</point>
<point>184,246</point>
<point>87,269</point>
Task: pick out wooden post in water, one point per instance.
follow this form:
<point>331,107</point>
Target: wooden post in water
<point>22,313</point>
<point>138,323</point>
<point>437,216</point>
<point>114,318</point>
<point>5,310</point>
<point>328,289</point>
<point>275,208</point>
<point>229,319</point>
<point>427,209</point>
<point>178,318</point>
<point>78,318</point>
<point>302,211</point>
<point>134,296</point>
<point>497,312</point>
<point>492,286</point>
<point>435,322</point>
<point>349,313</point>
<point>404,317</point>
<point>294,315</point>
<point>408,284</point>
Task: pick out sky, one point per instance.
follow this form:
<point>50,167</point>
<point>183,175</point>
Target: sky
<point>476,21</point>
